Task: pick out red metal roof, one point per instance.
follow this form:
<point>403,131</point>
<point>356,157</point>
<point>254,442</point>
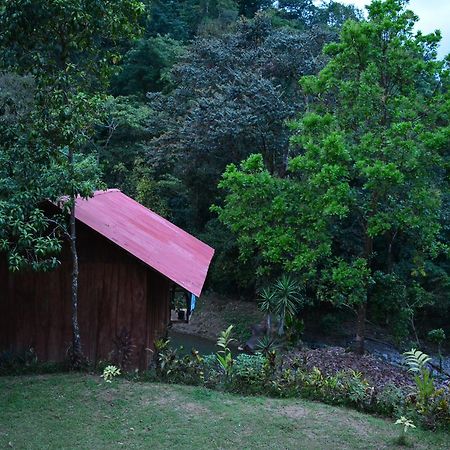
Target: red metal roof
<point>155,241</point>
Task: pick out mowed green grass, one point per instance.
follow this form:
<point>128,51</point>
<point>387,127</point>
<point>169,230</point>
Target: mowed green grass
<point>81,411</point>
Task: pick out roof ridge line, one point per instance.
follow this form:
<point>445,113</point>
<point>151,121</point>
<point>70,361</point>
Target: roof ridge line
<point>106,191</point>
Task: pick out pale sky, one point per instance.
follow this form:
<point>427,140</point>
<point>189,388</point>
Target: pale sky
<point>433,15</point>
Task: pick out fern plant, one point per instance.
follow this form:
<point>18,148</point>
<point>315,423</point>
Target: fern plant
<point>417,362</point>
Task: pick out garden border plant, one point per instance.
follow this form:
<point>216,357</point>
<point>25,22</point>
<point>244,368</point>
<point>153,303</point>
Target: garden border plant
<point>268,374</point>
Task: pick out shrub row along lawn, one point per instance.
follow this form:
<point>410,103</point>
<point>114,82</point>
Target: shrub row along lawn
<point>81,411</point>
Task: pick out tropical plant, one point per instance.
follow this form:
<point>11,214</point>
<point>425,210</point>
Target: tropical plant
<point>284,299</point>
<point>268,305</point>
<point>224,355</point>
<point>406,425</point>
<point>266,345</point>
<point>417,362</point>
<point>110,372</point>
<point>250,370</point>
<point>288,298</point>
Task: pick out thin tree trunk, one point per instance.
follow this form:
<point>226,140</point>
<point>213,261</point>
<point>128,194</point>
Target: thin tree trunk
<point>361,328</point>
<point>281,326</point>
<point>362,308</point>
<point>77,354</point>
<point>269,324</point>
<point>413,326</point>
<point>76,339</point>
<point>76,350</point>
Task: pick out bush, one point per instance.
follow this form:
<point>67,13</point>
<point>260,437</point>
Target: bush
<point>435,412</point>
<point>26,362</point>
<point>250,374</point>
<point>390,401</point>
<point>344,388</point>
<point>167,366</point>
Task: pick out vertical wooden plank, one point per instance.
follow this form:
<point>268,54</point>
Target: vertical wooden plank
<point>116,290</point>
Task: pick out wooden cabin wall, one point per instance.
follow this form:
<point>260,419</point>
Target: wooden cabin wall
<point>158,311</point>
<point>116,292</point>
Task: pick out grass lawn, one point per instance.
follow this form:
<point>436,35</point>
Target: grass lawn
<point>80,411</point>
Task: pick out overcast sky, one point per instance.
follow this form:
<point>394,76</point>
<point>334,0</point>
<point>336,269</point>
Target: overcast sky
<point>433,14</point>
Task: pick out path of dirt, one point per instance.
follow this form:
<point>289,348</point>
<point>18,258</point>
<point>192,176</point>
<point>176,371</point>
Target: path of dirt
<point>215,313</point>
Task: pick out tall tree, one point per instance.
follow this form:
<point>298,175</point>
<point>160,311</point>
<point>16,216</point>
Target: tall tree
<point>183,19</point>
<point>249,8</point>
<point>360,211</point>
<point>68,49</point>
<point>232,95</point>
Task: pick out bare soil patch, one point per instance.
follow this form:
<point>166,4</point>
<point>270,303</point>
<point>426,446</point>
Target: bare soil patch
<point>215,313</point>
<point>333,359</point>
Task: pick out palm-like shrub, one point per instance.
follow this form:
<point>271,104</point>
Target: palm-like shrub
<point>284,299</point>
<point>288,300</point>
<point>268,306</point>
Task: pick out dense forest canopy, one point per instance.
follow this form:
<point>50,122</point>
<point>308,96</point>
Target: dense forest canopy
<point>340,180</point>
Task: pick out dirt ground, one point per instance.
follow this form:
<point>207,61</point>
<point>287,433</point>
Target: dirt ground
<point>214,313</point>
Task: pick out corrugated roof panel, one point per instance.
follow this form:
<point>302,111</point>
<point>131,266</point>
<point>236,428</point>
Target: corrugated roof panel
<point>154,240</point>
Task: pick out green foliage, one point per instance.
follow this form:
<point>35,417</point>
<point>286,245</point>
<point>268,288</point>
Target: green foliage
<point>390,401</point>
<point>288,300</point>
<point>216,116</point>
<point>267,302</point>
<point>109,373</point>
<point>229,93</point>
<point>267,346</point>
<point>330,323</point>
<point>304,14</point>
<point>71,35</point>
<point>27,363</point>
<point>249,373</point>
<point>184,19</point>
<point>436,411</point>
<point>295,328</point>
<point>169,367</point>
<point>265,374</point>
<point>242,323</point>
<point>437,336</point>
<point>146,67</point>
<point>255,210</point>
<point>363,199</point>
<point>226,275</point>
<point>406,425</point>
<point>284,299</point>
<point>267,305</point>
<point>224,356</point>
<point>417,362</point>
<point>69,49</point>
